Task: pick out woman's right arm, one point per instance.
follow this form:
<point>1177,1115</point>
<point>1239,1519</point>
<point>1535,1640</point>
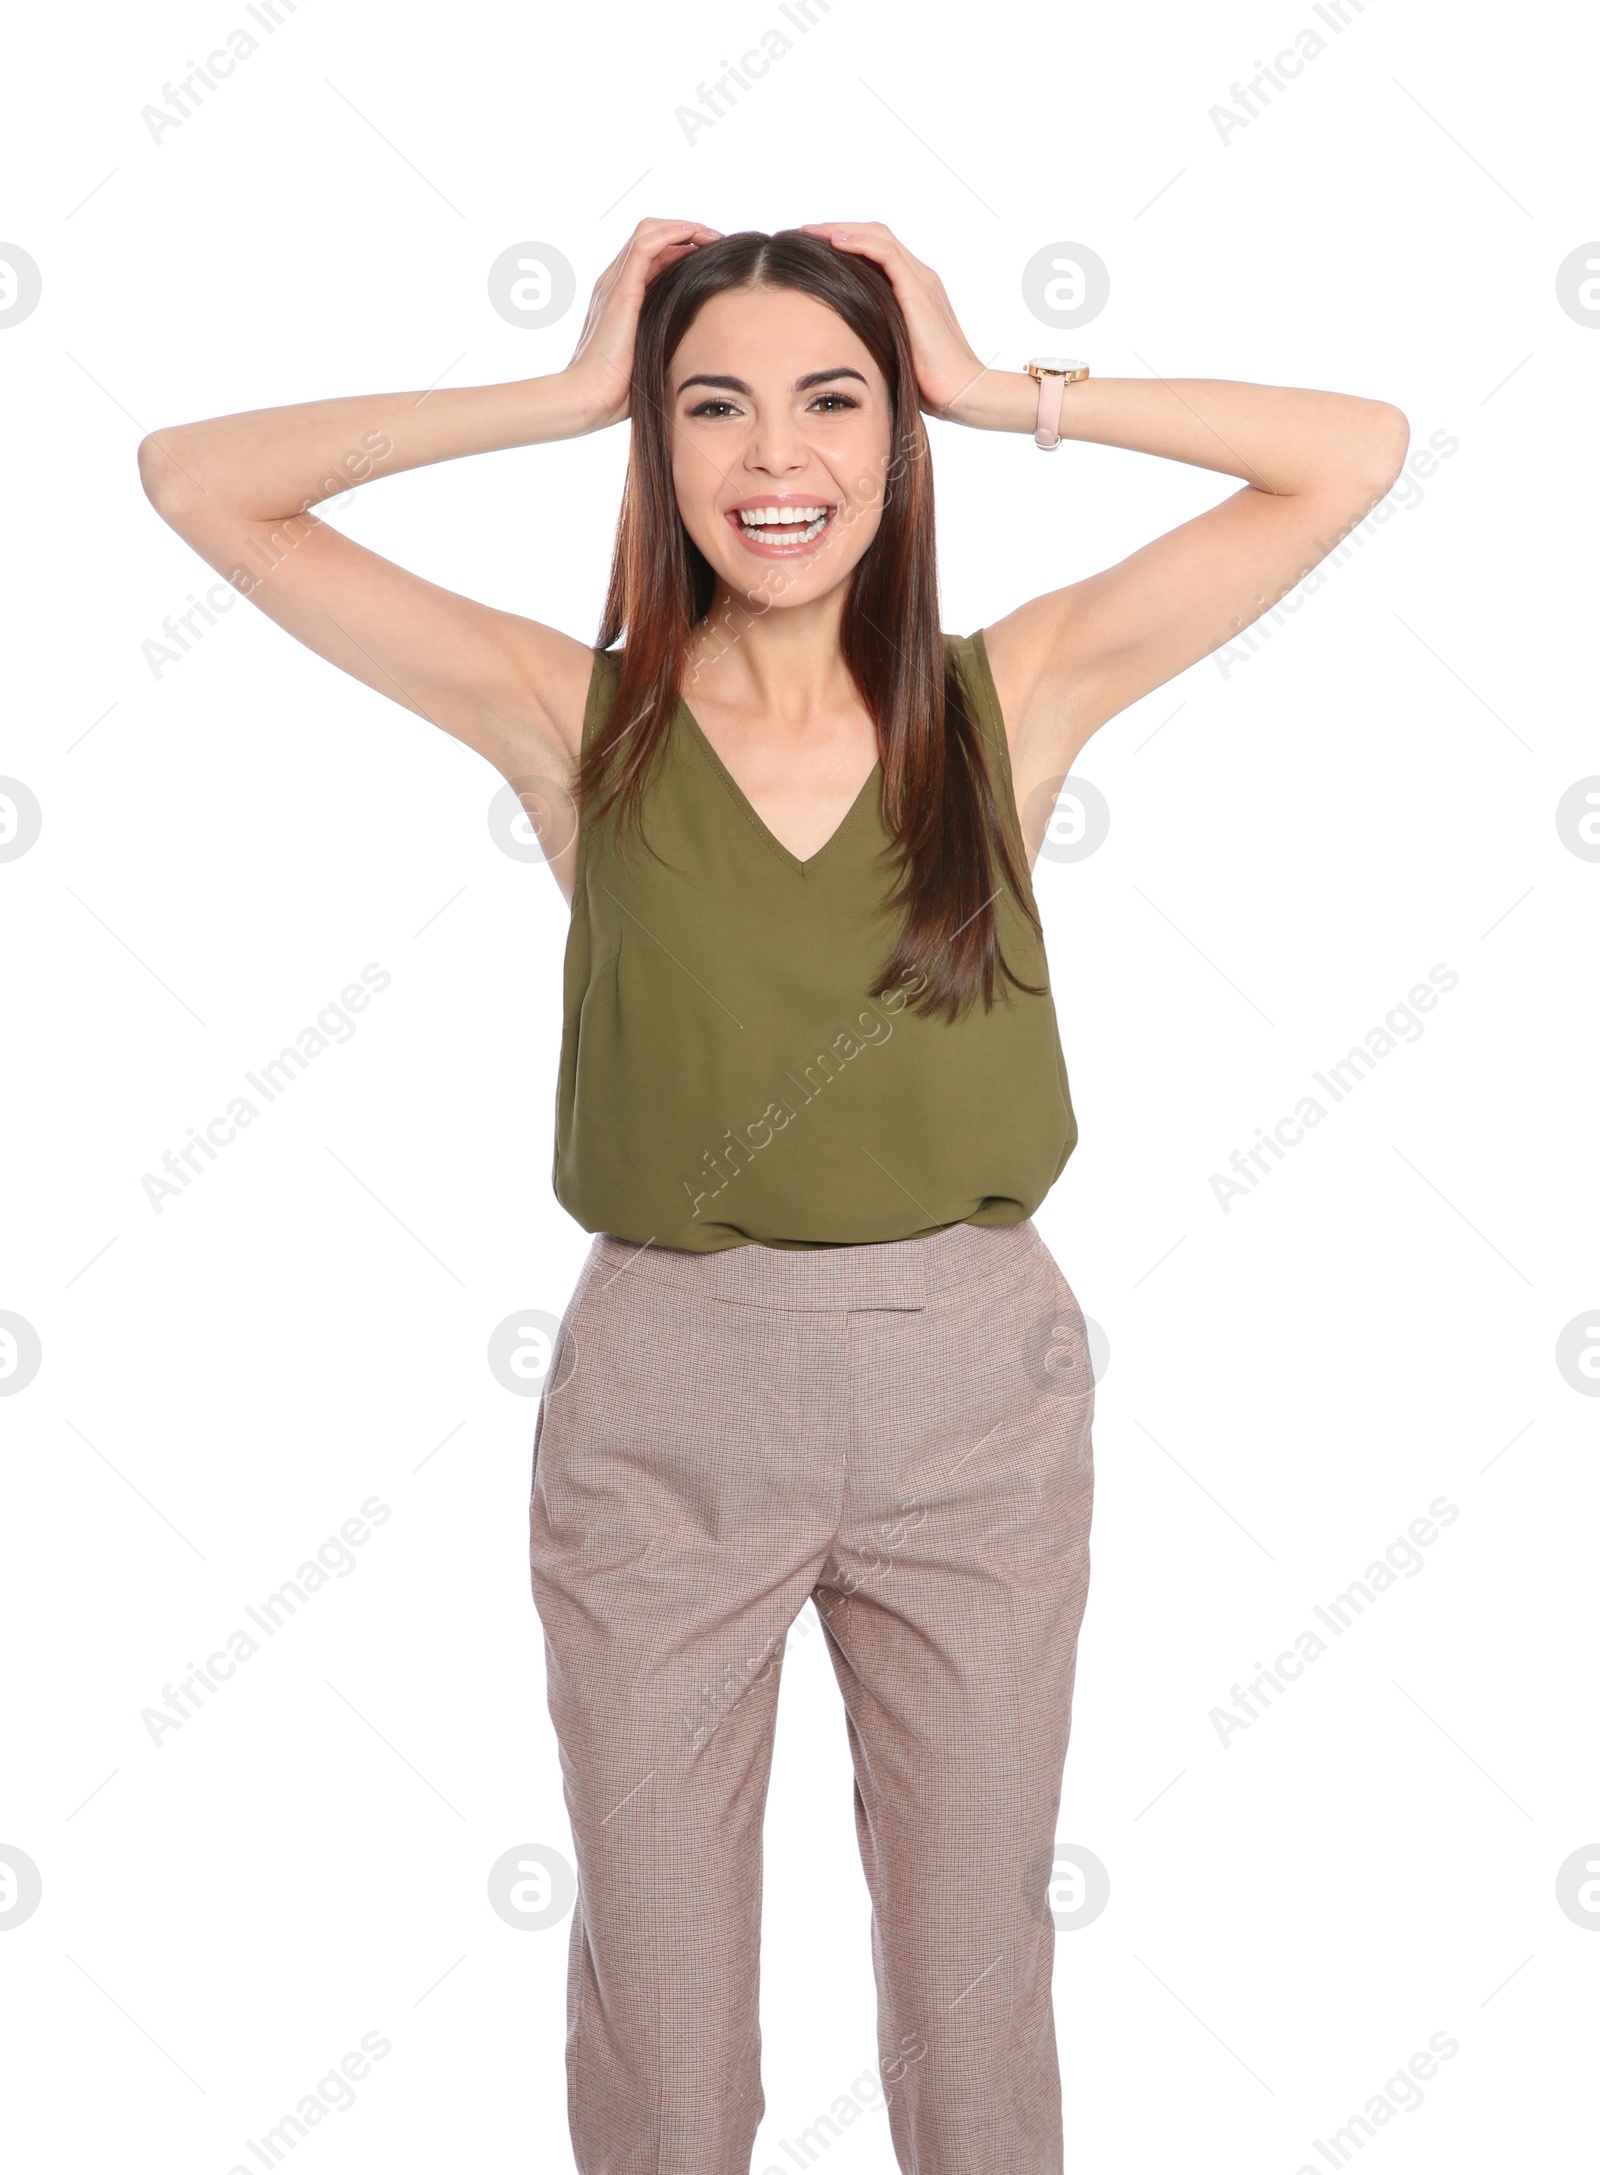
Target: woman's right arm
<point>239,488</point>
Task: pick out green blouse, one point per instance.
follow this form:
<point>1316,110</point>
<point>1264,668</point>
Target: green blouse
<point>726,1080</point>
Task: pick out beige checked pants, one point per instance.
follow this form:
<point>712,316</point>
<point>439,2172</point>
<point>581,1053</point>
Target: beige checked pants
<point>901,1432</point>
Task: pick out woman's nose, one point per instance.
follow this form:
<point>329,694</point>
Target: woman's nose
<point>775,445</point>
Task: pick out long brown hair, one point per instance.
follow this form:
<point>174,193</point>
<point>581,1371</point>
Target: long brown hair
<point>939,801</point>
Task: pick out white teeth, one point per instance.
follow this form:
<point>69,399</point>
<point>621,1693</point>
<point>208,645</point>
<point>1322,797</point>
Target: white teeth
<point>780,516</point>
<point>791,517</point>
<point>805,522</point>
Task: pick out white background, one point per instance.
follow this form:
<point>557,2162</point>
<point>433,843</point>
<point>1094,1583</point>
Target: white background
<point>1294,842</point>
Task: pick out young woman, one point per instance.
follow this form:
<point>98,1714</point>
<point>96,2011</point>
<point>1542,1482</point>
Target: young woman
<point>810,1093</point>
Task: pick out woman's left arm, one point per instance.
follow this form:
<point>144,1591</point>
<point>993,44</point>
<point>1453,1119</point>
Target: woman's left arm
<point>1313,464</point>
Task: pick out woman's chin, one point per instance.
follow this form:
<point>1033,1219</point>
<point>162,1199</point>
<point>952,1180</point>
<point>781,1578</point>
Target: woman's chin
<point>772,582</point>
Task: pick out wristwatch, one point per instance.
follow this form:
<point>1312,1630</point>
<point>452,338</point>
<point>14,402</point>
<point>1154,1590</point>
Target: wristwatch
<point>1054,373</point>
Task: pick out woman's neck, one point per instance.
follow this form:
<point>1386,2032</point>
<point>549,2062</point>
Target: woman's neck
<point>784,662</point>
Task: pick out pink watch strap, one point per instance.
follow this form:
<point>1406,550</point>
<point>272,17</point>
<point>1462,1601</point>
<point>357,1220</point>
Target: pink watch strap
<point>1048,435</point>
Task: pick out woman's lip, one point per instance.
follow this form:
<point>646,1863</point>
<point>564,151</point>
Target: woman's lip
<point>756,539</point>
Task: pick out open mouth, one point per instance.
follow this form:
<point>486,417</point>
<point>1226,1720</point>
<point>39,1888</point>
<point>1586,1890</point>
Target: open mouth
<point>780,528</point>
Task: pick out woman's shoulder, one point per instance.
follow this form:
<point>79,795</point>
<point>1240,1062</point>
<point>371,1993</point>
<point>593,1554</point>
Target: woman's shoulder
<point>966,651</point>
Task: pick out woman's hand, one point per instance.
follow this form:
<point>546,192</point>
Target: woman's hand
<point>946,365</point>
<point>602,362</point>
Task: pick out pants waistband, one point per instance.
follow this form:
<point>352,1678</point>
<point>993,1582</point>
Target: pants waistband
<point>900,1274</point>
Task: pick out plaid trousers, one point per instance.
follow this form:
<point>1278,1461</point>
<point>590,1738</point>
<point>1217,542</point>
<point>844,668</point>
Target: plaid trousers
<point>901,1433</point>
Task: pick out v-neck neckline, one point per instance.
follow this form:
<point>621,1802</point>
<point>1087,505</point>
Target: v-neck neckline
<point>744,802</point>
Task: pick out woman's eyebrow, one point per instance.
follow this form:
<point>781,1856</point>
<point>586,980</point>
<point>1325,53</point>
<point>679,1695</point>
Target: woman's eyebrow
<point>801,385</point>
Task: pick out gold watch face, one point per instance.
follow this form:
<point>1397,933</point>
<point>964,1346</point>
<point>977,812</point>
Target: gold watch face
<point>1056,366</point>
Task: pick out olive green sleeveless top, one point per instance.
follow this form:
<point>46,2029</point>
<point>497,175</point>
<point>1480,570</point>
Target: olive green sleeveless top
<point>725,1079</point>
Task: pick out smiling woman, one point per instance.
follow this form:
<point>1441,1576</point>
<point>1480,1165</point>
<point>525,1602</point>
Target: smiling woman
<point>815,1307</point>
<point>841,449</point>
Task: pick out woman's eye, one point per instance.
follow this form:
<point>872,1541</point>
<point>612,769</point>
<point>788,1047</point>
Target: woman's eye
<point>827,403</point>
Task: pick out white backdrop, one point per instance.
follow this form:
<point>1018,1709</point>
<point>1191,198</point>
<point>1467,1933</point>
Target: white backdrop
<point>284,1357</point>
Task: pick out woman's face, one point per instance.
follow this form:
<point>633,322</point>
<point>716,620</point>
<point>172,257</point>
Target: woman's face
<point>778,410</point>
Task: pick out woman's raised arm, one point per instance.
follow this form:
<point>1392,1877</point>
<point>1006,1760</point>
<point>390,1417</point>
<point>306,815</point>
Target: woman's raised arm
<point>1313,464</point>
<point>240,489</point>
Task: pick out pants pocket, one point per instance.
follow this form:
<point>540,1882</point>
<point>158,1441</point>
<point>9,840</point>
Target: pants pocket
<point>564,1355</point>
<point>1056,1353</point>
